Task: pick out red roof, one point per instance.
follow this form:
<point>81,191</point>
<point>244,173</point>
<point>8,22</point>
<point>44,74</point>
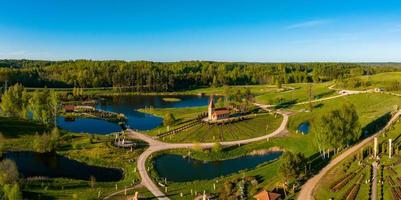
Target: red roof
<point>69,107</point>
<point>221,111</point>
<point>265,195</point>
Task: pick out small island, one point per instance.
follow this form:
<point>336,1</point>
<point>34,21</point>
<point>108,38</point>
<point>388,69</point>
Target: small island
<point>171,99</point>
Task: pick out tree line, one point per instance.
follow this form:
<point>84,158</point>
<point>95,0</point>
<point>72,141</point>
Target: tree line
<point>145,76</point>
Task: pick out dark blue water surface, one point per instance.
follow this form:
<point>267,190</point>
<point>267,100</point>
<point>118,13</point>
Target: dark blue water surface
<point>88,125</point>
<point>128,105</point>
<point>179,169</point>
<point>304,127</point>
<point>51,165</point>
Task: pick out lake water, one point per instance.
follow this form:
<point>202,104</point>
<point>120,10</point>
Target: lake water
<point>128,105</point>
<point>179,169</point>
<point>304,127</point>
<point>88,125</point>
<point>32,164</point>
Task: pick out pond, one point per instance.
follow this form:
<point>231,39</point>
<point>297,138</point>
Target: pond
<point>179,169</point>
<point>88,125</point>
<point>51,165</point>
<point>304,128</point>
<point>128,105</point>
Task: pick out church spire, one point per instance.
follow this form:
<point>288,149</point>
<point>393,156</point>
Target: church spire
<point>211,103</point>
<point>210,109</point>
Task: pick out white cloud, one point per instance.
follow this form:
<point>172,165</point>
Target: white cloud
<point>308,24</point>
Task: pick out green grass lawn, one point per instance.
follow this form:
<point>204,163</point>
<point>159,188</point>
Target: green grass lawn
<point>260,124</point>
<point>381,80</point>
<point>299,94</point>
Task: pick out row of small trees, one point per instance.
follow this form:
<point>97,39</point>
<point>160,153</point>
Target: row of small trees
<point>336,129</point>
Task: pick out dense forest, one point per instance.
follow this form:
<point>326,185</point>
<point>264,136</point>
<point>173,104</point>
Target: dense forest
<point>172,76</point>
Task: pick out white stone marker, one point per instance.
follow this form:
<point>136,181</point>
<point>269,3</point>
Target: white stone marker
<point>390,148</point>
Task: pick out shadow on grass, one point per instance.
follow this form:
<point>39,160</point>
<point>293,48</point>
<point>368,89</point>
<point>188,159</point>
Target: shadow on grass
<point>376,125</point>
<point>323,94</point>
<point>14,127</point>
<point>286,104</point>
<point>37,196</point>
<point>318,105</point>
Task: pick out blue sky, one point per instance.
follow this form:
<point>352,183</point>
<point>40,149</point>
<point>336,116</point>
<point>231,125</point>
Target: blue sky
<point>172,30</point>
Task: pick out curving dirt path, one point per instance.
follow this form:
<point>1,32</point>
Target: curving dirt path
<point>122,191</point>
<point>308,188</point>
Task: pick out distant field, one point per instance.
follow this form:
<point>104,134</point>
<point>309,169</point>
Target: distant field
<point>369,106</point>
<point>381,80</point>
<point>383,77</point>
<point>299,94</point>
<point>255,89</point>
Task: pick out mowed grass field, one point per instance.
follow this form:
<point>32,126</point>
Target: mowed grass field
<point>300,93</point>
<point>260,124</point>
